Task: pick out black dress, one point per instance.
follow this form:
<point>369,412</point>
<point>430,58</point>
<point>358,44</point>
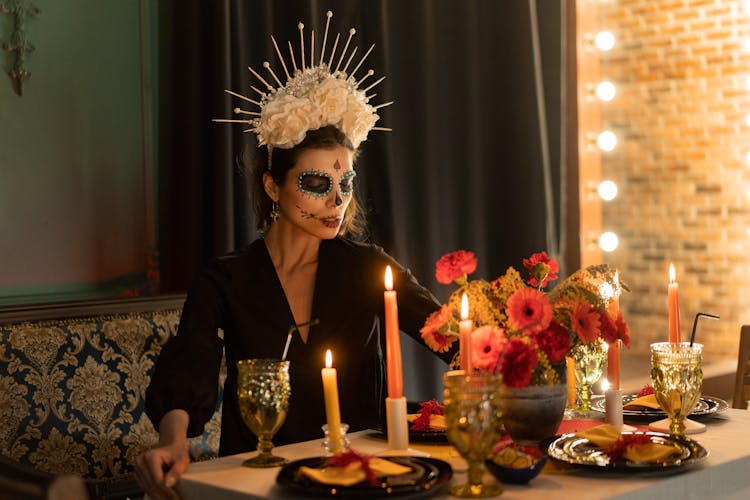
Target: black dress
<point>241,294</point>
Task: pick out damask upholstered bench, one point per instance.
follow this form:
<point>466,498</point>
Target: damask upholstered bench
<point>72,384</point>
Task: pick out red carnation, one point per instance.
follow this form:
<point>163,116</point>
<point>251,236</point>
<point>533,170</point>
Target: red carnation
<point>455,265</point>
<point>554,341</point>
<point>623,332</point>
<point>614,329</point>
<point>518,362</point>
<point>426,409</point>
<point>542,269</point>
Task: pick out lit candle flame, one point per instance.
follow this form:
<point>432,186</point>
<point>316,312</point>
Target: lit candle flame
<point>329,358</point>
<point>464,306</point>
<point>672,276</point>
<point>388,278</point>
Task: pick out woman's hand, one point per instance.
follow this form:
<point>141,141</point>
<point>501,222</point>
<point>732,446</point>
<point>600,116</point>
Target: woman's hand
<point>159,469</point>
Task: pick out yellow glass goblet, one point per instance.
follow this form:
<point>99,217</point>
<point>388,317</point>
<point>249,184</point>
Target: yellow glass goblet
<point>677,375</point>
<point>472,416</point>
<point>263,392</point>
<point>588,362</point>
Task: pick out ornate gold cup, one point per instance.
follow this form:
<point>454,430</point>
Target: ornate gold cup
<point>589,362</point>
<point>263,392</point>
<point>677,375</point>
<point>472,415</point>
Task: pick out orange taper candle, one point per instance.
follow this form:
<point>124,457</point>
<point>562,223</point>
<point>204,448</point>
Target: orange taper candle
<point>674,307</point>
<point>613,365</point>
<point>465,328</point>
<point>392,340</point>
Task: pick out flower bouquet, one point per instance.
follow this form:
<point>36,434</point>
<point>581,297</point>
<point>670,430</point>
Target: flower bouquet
<point>524,332</point>
<point>521,331</point>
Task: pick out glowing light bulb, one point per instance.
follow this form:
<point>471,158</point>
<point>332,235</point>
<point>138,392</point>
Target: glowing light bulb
<point>747,157</point>
<point>747,120</point>
<point>747,83</point>
<point>607,141</point>
<point>605,91</point>
<point>608,241</point>
<point>607,190</point>
<point>604,40</point>
<point>747,44</point>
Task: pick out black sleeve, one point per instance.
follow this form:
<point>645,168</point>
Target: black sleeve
<point>187,371</point>
<point>415,302</point>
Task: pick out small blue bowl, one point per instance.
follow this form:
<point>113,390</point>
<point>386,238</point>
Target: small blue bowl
<point>512,475</point>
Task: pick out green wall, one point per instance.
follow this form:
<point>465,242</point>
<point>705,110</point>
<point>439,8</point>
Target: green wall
<point>76,152</point>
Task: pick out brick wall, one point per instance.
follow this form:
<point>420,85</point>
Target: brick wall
<point>679,67</point>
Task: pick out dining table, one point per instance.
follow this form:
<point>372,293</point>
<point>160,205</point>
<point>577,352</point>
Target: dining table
<point>724,473</point>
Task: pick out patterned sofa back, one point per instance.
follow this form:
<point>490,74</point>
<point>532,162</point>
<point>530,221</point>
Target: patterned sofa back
<point>72,384</point>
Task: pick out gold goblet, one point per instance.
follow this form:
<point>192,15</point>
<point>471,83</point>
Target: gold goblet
<point>677,375</point>
<point>263,393</point>
<point>472,415</point>
<point>588,360</point>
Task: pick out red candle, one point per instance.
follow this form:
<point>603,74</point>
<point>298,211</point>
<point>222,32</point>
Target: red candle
<point>392,340</point>
<point>465,328</point>
<point>674,307</point>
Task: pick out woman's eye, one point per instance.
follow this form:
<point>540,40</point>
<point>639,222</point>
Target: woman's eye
<point>347,185</point>
<point>315,183</point>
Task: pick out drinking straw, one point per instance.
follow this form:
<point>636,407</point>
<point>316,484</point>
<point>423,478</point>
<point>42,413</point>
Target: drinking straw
<point>291,331</point>
<point>695,323</point>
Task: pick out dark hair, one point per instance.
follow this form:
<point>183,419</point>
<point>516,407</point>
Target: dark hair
<point>283,160</point>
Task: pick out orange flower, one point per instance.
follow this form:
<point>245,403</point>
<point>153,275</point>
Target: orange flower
<point>584,320</point>
<point>529,309</point>
<point>487,343</point>
<point>432,330</point>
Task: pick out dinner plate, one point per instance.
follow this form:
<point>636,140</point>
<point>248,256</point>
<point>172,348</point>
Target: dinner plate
<point>581,453</point>
<point>436,437</point>
<point>705,407</point>
<point>427,477</point>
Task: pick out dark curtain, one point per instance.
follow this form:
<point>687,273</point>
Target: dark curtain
<point>462,169</point>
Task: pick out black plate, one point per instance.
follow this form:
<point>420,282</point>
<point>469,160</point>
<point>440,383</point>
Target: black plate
<point>436,437</point>
<point>706,407</point>
<point>582,454</point>
<point>427,477</point>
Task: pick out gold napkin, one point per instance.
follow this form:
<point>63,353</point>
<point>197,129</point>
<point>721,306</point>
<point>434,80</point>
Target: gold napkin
<point>606,435</point>
<point>353,473</point>
<point>437,422</point>
<point>650,452</point>
<point>603,436</point>
<point>647,402</point>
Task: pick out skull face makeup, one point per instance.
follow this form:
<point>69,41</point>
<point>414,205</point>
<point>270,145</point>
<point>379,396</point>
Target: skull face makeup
<point>317,192</point>
<point>319,184</point>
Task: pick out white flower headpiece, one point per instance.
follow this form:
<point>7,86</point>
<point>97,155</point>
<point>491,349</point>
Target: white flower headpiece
<point>315,96</point>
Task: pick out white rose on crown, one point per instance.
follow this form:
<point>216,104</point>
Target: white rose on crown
<point>330,98</point>
<point>358,119</point>
<point>286,119</point>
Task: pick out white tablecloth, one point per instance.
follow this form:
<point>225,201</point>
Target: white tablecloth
<point>725,473</point>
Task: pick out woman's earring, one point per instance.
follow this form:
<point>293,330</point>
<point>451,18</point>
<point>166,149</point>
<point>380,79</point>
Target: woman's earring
<point>274,211</point>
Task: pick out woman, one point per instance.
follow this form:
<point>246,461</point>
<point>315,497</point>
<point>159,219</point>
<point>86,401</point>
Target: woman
<point>302,270</point>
